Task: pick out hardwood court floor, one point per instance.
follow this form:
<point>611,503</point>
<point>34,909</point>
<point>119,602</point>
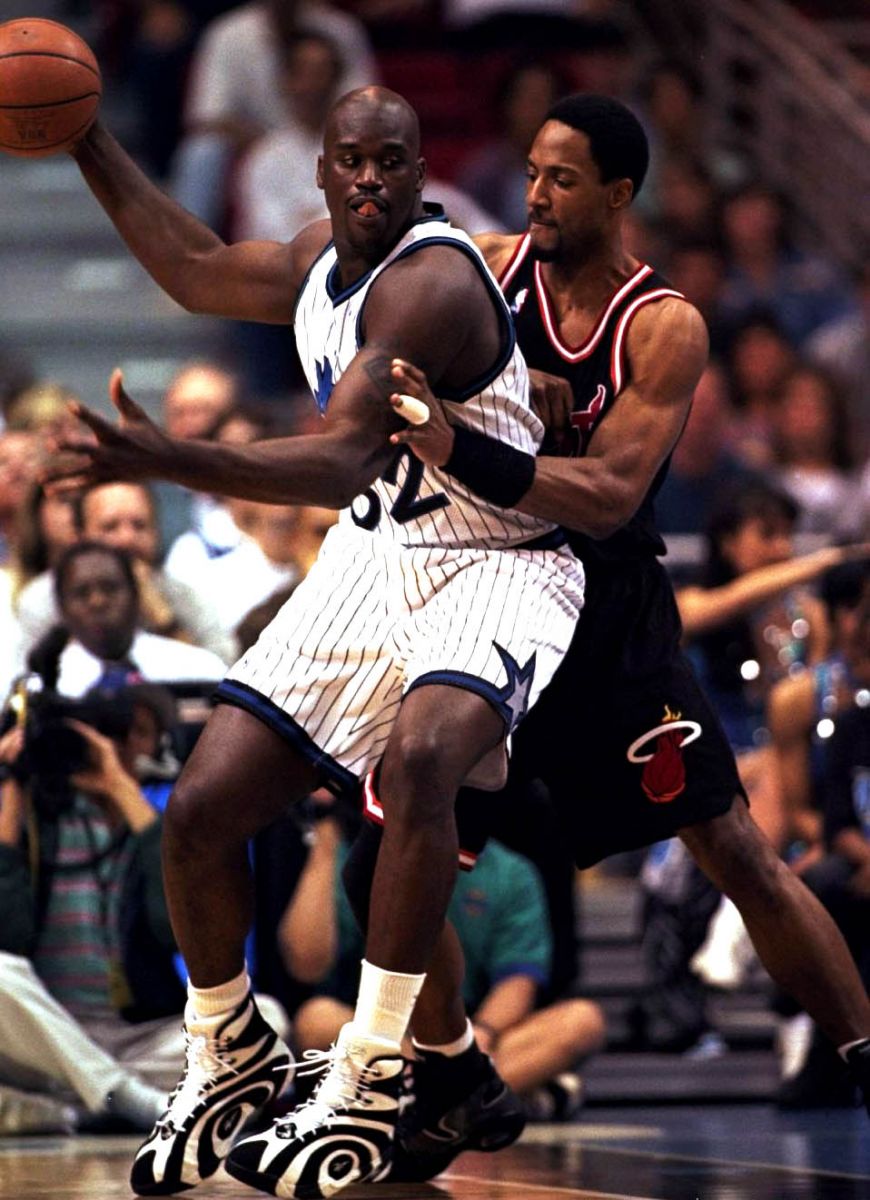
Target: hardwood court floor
<point>699,1153</point>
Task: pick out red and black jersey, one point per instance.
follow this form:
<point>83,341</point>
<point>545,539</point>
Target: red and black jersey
<point>597,371</point>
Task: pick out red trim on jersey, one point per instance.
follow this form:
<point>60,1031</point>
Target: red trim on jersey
<point>577,353</point>
<point>374,812</point>
<point>371,804</point>
<point>617,354</point>
<point>515,261</point>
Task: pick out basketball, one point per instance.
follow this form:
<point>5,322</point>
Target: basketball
<point>50,87</point>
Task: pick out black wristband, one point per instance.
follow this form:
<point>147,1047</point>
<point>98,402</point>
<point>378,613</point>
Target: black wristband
<point>491,469</point>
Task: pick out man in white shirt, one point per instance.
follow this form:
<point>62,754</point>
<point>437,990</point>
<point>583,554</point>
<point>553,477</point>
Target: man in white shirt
<point>235,88</point>
<point>99,606</point>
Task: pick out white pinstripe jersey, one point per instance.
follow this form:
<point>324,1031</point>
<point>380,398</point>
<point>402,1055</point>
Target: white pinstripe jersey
<point>411,504</point>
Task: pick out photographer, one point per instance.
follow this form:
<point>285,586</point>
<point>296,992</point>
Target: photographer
<point>89,996</point>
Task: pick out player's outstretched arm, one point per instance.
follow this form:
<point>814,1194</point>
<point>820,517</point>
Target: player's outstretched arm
<point>326,469</point>
<point>596,494</point>
<point>254,281</point>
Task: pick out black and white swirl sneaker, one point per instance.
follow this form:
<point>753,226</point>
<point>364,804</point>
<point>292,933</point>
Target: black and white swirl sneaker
<point>342,1135</point>
<point>233,1070</point>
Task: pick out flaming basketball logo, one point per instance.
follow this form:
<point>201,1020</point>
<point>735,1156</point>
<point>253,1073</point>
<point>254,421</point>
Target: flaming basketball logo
<point>664,772</point>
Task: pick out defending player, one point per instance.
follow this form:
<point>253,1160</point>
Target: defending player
<point>625,739</point>
<point>427,626</point>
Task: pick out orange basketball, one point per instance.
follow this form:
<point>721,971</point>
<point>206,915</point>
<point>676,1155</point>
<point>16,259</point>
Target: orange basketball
<point>50,87</point>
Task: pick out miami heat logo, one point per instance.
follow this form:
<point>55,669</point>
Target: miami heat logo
<point>664,772</point>
<point>583,420</point>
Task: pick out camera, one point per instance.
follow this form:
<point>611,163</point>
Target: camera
<point>53,751</point>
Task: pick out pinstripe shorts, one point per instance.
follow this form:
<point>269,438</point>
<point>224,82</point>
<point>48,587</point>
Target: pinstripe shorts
<point>374,619</point>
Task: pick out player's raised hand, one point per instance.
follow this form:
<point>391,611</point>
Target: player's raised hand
<point>135,448</point>
<point>432,439</point>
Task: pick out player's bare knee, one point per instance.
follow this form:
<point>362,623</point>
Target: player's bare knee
<point>414,778</point>
<point>191,818</point>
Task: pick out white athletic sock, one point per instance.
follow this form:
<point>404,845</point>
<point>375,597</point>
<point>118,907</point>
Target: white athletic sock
<point>205,1003</point>
<point>847,1046</point>
<point>450,1049</point>
<point>385,1002</point>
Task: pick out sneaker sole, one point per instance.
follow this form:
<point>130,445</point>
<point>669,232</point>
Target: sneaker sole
<point>421,1164</point>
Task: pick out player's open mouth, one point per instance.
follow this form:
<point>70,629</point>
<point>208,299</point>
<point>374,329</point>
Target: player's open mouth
<point>368,208</point>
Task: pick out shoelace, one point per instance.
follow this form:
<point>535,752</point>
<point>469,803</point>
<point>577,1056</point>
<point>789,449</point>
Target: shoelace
<point>206,1058</point>
<point>350,1081</point>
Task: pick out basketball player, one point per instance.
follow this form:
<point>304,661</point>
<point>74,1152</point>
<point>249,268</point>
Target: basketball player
<point>625,739</point>
<point>425,629</point>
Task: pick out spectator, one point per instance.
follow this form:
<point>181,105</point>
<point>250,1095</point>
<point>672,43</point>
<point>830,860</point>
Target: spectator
<point>673,117</point>
<point>812,447</point>
<point>688,204</point>
<point>500,914</point>
<point>702,463</point>
<point>11,654</point>
<point>98,602</point>
<point>262,563</point>
<point>697,269</point>
<point>263,558</point>
<point>86,943</point>
<point>236,94</point>
<point>197,399</point>
<point>752,618</point>
<point>766,270</point>
<point>42,408</point>
<point>18,464</point>
<point>123,515</point>
<point>752,622</point>
<point>803,709</point>
<point>46,526</point>
<point>495,176</point>
<point>275,197</point>
<point>759,360</point>
<point>843,346</point>
<point>841,880</point>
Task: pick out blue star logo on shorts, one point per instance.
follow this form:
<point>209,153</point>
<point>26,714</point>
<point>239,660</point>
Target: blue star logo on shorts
<point>513,698</point>
<point>325,384</point>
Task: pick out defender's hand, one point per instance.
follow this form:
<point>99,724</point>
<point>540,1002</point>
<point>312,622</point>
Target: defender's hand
<point>432,442</point>
<point>133,449</point>
<point>553,401</point>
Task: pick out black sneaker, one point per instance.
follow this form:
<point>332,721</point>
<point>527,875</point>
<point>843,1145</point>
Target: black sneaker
<point>342,1135</point>
<point>822,1082</point>
<point>461,1103</point>
<point>858,1062</point>
<point>233,1070</point>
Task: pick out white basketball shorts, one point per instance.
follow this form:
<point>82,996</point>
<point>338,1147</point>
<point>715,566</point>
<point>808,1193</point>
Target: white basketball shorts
<point>374,619</point>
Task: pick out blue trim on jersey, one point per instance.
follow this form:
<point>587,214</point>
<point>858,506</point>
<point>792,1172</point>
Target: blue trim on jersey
<point>477,385</point>
<point>241,695</point>
<point>469,683</point>
<point>431,212</point>
<point>338,295</point>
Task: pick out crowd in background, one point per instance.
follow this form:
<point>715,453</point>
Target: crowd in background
<point>110,591</point>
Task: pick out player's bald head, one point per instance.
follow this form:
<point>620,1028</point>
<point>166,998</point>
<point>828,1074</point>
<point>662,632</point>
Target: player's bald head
<point>374,111</point>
